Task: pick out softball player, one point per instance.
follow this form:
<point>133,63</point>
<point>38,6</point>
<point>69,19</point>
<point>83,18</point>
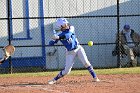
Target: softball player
<point>73,48</point>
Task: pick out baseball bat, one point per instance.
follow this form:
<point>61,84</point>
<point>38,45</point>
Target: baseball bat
<point>54,51</point>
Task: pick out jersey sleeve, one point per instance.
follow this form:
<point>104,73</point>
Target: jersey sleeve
<point>61,36</point>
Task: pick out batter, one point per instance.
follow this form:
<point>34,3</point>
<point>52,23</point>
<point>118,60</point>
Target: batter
<point>73,48</point>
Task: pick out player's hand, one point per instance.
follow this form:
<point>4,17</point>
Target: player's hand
<point>55,37</point>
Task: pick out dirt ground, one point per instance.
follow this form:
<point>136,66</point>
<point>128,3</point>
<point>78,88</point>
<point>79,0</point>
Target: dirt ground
<point>128,83</point>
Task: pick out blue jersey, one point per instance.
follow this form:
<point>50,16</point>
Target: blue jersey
<point>68,39</point>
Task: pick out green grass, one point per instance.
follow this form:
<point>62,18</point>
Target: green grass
<point>134,70</point>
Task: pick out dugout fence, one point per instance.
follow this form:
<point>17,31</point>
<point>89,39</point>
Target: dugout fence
<point>28,25</point>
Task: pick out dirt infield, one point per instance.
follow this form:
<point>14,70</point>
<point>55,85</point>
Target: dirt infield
<point>128,83</point>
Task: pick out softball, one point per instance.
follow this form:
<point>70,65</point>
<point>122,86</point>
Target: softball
<point>90,43</point>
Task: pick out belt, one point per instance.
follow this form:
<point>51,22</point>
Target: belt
<point>74,48</point>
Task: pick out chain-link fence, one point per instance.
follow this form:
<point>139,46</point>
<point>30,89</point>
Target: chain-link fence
<point>28,25</point>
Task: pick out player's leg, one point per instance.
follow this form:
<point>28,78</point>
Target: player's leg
<point>68,66</point>
<point>131,56</point>
<point>82,56</point>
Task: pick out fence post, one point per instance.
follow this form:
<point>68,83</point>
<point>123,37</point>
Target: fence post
<point>118,30</point>
<point>9,32</point>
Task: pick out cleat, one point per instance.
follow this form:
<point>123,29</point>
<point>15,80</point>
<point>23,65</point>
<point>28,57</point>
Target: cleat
<point>51,82</point>
<point>96,80</point>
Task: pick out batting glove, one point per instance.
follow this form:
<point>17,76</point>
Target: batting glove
<point>55,37</point>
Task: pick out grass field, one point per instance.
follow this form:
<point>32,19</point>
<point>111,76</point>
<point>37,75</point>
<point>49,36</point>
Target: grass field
<point>133,70</point>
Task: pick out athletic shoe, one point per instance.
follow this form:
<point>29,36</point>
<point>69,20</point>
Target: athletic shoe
<point>96,80</point>
<point>51,81</point>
